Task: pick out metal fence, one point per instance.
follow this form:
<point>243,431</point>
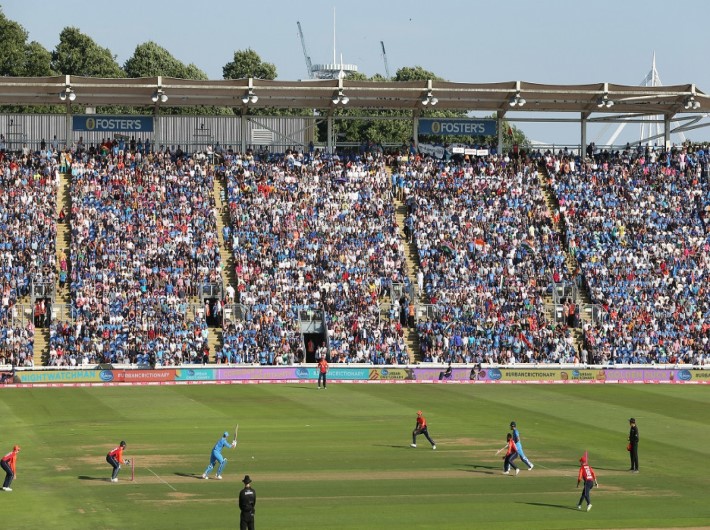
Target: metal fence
<point>61,313</point>
<point>564,291</point>
<point>211,290</point>
<point>427,312</point>
<point>234,313</point>
<point>43,290</point>
<point>193,133</point>
<point>596,313</point>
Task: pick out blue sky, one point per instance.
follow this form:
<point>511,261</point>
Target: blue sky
<point>545,41</point>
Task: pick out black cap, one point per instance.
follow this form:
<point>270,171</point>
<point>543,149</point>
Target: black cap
<point>512,424</point>
<point>246,479</point>
<point>632,420</point>
<point>122,444</point>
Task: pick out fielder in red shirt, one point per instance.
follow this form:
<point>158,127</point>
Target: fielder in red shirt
<point>8,464</point>
<point>511,453</point>
<point>421,428</point>
<point>322,371</point>
<point>587,474</point>
<point>115,458</point>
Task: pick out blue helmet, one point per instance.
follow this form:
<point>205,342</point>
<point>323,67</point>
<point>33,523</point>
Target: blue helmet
<point>512,424</point>
<point>226,434</point>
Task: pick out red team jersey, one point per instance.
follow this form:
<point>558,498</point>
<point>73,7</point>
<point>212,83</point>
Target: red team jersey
<point>511,448</point>
<point>586,473</point>
<point>10,458</point>
<point>117,453</point>
<point>323,365</point>
<point>421,423</point>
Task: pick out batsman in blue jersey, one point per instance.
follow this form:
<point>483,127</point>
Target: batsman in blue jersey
<point>519,446</point>
<point>216,456</point>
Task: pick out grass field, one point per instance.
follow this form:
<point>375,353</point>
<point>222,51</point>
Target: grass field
<point>340,458</point>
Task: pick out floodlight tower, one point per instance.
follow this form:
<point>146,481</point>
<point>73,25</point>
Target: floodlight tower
<point>333,70</point>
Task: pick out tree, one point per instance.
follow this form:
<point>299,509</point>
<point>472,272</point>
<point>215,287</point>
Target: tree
<point>17,57</point>
<point>384,131</point>
<point>78,54</point>
<point>247,63</point>
<point>415,73</point>
<point>38,60</point>
<point>12,47</point>
<point>151,60</point>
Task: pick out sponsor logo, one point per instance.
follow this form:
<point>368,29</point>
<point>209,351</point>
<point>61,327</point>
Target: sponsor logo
<point>391,373</point>
<point>685,375</point>
<point>106,376</point>
<point>473,128</point>
<point>493,374</point>
<point>302,373</point>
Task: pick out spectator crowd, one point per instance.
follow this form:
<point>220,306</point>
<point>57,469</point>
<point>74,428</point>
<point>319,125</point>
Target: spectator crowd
<point>312,233</point>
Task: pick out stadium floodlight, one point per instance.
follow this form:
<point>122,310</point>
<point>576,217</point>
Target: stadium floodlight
<point>691,103</point>
<point>250,97</point>
<point>67,93</point>
<point>429,99</point>
<point>340,98</point>
<point>517,100</point>
<point>604,101</point>
<point>159,95</point>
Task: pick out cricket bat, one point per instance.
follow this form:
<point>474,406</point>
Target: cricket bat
<point>236,432</point>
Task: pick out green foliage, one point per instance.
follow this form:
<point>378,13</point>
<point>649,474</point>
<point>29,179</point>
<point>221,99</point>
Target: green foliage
<point>415,73</point>
<point>12,47</point>
<point>151,60</point>
<point>78,54</point>
<point>247,63</point>
<point>18,58</point>
<point>38,60</point>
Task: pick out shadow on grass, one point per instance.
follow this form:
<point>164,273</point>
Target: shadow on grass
<point>545,505</point>
<point>85,477</point>
<point>396,446</point>
<point>484,470</point>
<point>190,475</point>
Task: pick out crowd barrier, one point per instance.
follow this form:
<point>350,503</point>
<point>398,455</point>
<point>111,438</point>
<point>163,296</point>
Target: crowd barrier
<point>105,376</point>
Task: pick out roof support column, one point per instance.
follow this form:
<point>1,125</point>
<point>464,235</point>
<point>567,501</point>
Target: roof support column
<point>415,128</point>
<point>583,139</point>
<point>243,126</point>
<point>499,126</point>
<point>69,142</point>
<point>330,144</point>
<point>157,142</point>
<point>667,131</point>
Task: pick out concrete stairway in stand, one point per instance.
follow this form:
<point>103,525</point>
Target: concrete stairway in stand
<point>571,263</point>
<point>62,298</point>
<point>225,250</point>
<point>412,260</point>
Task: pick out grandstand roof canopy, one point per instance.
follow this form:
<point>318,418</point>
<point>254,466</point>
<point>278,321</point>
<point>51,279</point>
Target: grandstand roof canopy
<point>319,94</point>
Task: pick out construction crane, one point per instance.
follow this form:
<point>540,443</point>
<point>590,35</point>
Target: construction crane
<point>309,66</point>
<point>384,57</point>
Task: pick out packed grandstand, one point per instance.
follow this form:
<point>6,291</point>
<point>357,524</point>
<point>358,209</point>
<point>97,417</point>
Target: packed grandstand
<point>532,257</point>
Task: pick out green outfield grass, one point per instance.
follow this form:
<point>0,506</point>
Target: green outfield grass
<point>340,458</point>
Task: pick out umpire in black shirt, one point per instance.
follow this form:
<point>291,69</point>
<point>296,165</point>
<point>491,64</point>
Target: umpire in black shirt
<point>247,502</point>
<point>634,443</point>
